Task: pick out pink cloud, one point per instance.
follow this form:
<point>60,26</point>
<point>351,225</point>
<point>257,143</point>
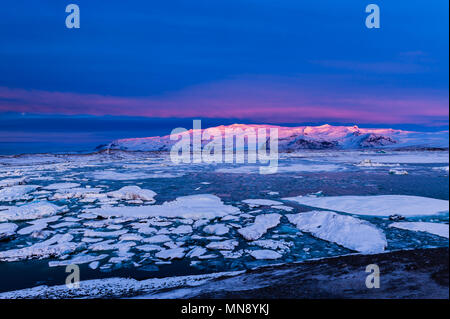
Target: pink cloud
<point>257,99</point>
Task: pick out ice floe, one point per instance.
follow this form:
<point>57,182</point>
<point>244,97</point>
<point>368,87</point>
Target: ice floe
<point>56,246</point>
<point>8,182</point>
<point>398,172</point>
<point>174,253</point>
<point>260,226</point>
<point>7,230</point>
<point>31,211</point>
<point>195,207</point>
<point>216,229</point>
<point>261,202</point>
<point>379,205</point>
<point>346,231</point>
<point>77,260</point>
<point>133,193</point>
<point>432,228</point>
<point>273,244</point>
<point>17,192</point>
<point>264,254</point>
<point>59,186</point>
<point>223,245</point>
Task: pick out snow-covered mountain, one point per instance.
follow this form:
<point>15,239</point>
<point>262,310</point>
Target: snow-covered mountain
<point>304,137</point>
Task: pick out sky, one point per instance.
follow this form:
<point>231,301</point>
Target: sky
<point>138,68</point>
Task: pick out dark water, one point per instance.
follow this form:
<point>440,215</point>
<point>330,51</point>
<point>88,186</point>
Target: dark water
<point>232,189</point>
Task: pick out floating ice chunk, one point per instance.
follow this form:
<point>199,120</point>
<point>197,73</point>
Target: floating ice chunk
<point>31,211</point>
<point>223,245</point>
<point>381,205</point>
<point>157,239</point>
<point>232,254</point>
<point>216,229</point>
<point>174,253</point>
<point>272,244</point>
<point>64,224</point>
<point>261,202</point>
<point>94,265</point>
<point>32,228</point>
<point>442,168</point>
<point>397,172</point>
<point>273,193</point>
<point>196,252</point>
<point>209,256</point>
<point>59,186</point>
<point>13,182</point>
<point>133,193</point>
<point>146,230</point>
<point>260,226</point>
<point>92,233</point>
<point>15,193</point>
<point>307,167</point>
<point>7,230</point>
<point>196,207</point>
<point>77,260</point>
<point>91,240</point>
<point>149,248</point>
<point>134,237</point>
<point>70,193</point>
<point>110,245</point>
<point>369,163</point>
<point>56,246</point>
<point>171,244</point>
<point>432,228</point>
<point>229,217</point>
<point>116,176</point>
<point>183,229</point>
<point>264,254</point>
<point>283,207</point>
<point>347,231</point>
<point>201,222</point>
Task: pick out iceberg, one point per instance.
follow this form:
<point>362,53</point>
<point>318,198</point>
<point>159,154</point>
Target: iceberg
<point>346,231</point>
<point>133,193</point>
<point>56,246</point>
<point>7,230</point>
<point>15,193</point>
<point>31,211</point>
<point>260,226</point>
<point>380,205</point>
<point>264,254</point>
<point>195,207</point>
<point>432,228</point>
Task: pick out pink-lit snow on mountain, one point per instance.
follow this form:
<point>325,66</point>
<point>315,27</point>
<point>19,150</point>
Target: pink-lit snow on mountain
<point>305,137</point>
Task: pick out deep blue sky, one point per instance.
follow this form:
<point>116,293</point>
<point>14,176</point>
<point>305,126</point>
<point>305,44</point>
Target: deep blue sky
<point>223,61</point>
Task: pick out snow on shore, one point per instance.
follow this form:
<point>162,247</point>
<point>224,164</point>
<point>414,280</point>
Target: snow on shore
<point>114,287</point>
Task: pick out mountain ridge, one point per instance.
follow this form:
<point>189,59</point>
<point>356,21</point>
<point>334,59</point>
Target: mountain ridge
<point>302,137</point>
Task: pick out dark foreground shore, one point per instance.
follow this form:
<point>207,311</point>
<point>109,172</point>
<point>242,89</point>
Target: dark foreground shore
<point>421,273</point>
